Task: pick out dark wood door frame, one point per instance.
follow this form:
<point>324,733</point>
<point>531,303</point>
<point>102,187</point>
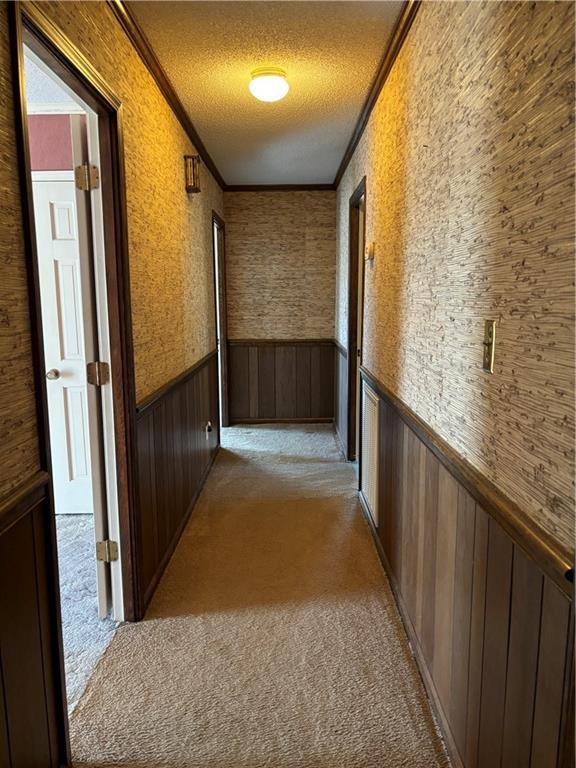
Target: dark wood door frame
<point>353,340</point>
<point>29,25</point>
<point>221,314</point>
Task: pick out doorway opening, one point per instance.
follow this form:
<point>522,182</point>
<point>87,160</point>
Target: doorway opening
<point>218,245</point>
<point>72,180</point>
<point>357,232</point>
<point>63,145</point>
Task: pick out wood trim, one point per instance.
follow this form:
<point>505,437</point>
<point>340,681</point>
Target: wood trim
<point>221,317</point>
<point>280,187</point>
<point>66,52</point>
<point>353,219</point>
<point>550,556</point>
<point>401,29</point>
<point>280,342</point>
<point>22,499</point>
<point>156,396</point>
<point>122,12</point>
<point>38,31</point>
<point>137,37</point>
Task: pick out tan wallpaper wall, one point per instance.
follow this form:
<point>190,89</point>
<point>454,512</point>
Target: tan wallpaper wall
<point>469,157</point>
<point>170,235</point>
<point>18,435</point>
<point>280,261</point>
<point>169,232</point>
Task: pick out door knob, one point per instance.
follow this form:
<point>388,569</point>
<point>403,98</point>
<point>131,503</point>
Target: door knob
<point>53,374</point>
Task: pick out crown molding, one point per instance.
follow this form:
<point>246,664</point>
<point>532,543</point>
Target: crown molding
<point>124,15</point>
<point>122,12</point>
<point>401,29</point>
<point>279,188</point>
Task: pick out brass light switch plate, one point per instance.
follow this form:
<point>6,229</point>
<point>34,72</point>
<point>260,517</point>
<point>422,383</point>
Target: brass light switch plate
<point>489,345</point>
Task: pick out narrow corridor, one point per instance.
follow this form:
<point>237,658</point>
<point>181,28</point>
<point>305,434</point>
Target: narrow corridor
<point>273,639</point>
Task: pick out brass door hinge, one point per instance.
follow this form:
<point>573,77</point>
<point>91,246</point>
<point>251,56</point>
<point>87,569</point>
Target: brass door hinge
<point>98,373</point>
<point>86,177</point>
<point>107,551</point>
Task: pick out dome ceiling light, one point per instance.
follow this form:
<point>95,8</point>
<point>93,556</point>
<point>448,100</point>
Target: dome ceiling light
<point>269,84</point>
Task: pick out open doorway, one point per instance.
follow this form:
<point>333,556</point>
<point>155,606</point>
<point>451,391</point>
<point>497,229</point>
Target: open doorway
<point>357,224</point>
<point>218,244</point>
<point>64,146</point>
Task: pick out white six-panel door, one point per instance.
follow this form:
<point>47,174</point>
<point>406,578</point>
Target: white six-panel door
<point>66,278</point>
<point>64,339</point>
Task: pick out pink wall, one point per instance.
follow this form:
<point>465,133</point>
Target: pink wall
<point>50,142</point>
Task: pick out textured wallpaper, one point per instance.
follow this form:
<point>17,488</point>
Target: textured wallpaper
<point>169,232</point>
<point>18,435</point>
<point>469,158</point>
<point>280,262</point>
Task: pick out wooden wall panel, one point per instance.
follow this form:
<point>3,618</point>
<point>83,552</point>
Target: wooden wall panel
<point>462,615</point>
<point>476,652</point>
<point>490,629</point>
<point>174,458</point>
<point>281,380</point>
<point>29,671</point>
<point>550,679</point>
<point>525,611</point>
<point>494,664</point>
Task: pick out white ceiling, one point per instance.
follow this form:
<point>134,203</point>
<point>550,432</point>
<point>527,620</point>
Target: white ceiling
<point>330,51</point>
<point>41,88</point>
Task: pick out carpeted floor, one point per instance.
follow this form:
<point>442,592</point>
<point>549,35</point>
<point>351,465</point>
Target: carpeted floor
<point>273,640</point>
<point>85,635</point>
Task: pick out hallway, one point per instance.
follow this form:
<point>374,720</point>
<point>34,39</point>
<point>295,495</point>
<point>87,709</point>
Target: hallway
<point>273,638</point>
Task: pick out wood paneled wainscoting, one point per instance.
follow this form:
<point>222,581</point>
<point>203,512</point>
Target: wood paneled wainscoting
<point>32,731</point>
<point>281,380</point>
<point>486,600</point>
<point>174,453</point>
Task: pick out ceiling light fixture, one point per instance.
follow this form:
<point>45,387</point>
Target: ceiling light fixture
<point>269,84</point>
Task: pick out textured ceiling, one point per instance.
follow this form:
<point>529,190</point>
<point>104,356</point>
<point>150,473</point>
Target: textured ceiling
<point>330,51</point>
<point>41,89</point>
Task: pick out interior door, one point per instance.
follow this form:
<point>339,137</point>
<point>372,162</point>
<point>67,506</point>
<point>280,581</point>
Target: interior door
<point>63,232</point>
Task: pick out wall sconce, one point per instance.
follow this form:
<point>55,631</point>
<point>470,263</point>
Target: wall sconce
<point>192,173</point>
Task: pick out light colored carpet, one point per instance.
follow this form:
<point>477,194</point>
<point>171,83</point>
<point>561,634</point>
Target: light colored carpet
<point>273,640</point>
<point>85,635</point>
